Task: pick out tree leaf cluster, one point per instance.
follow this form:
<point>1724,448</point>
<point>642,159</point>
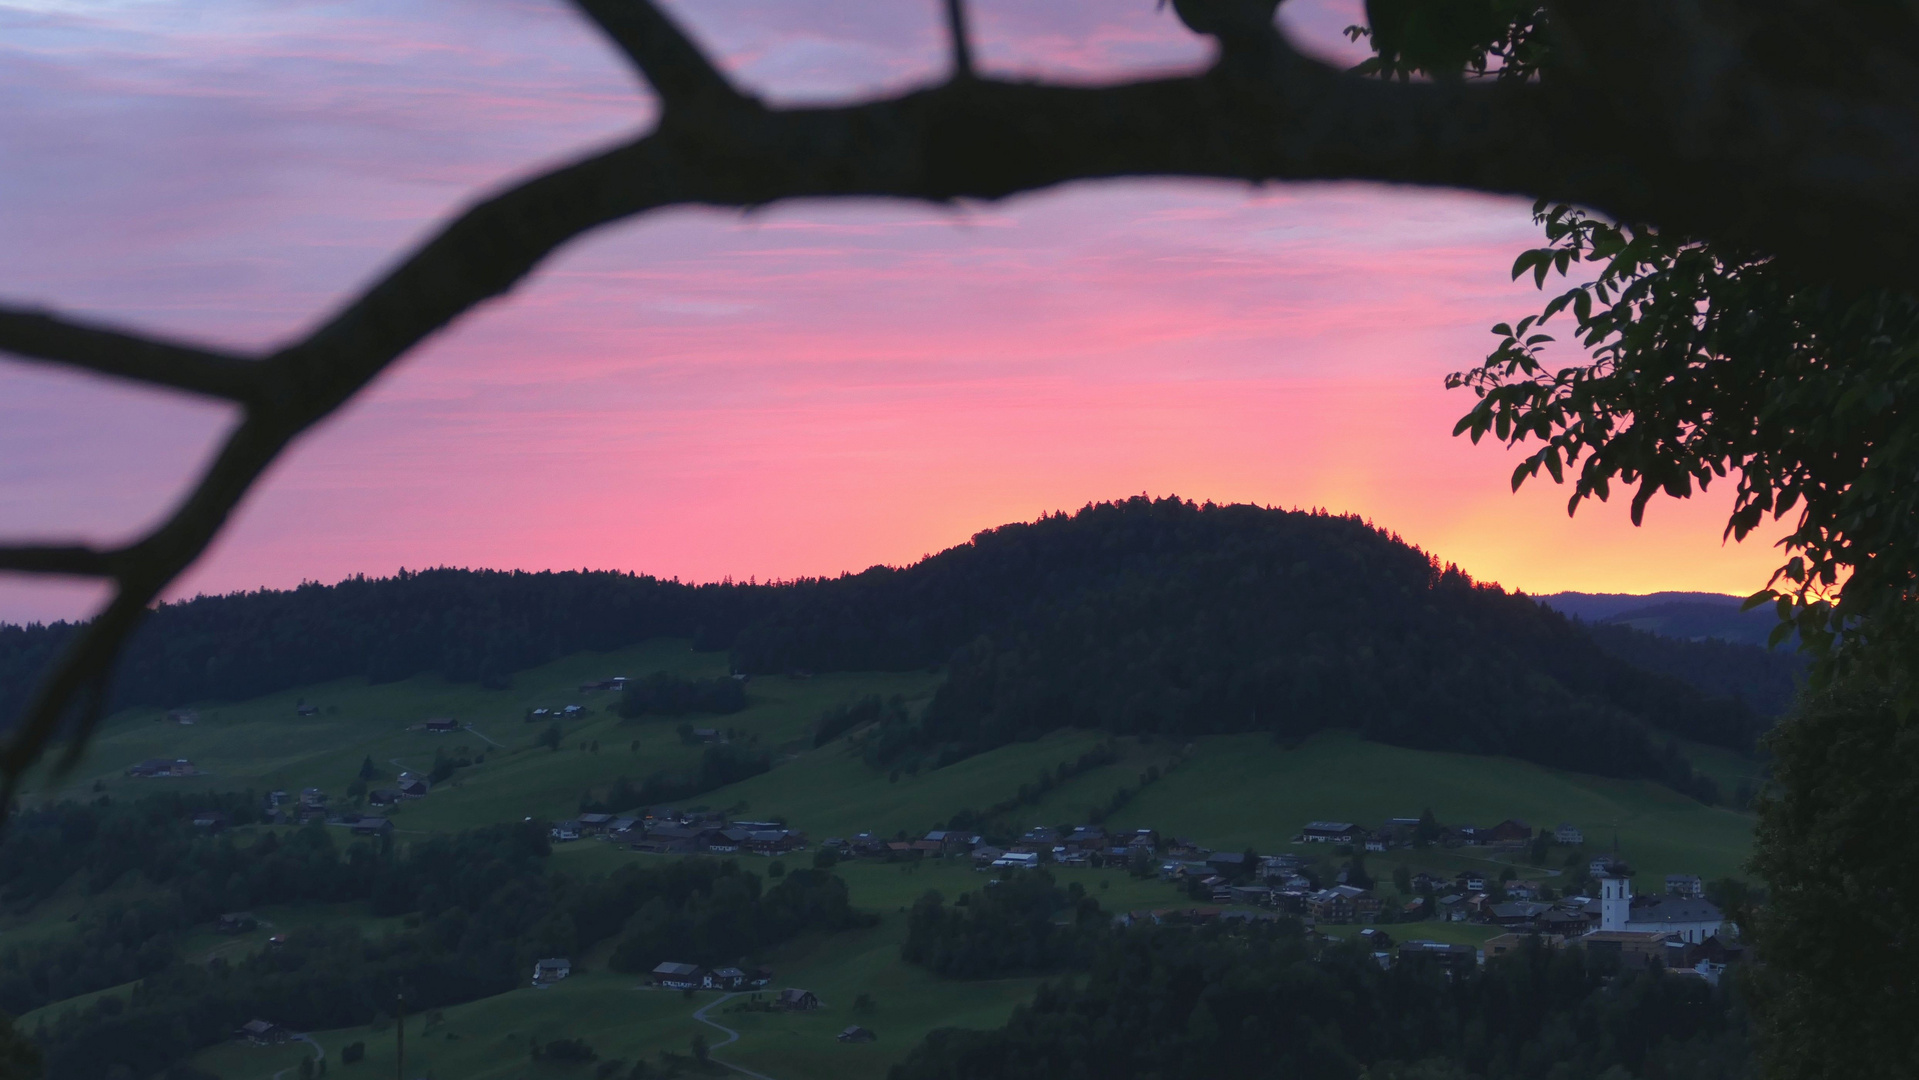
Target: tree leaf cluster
<point>1710,364</point>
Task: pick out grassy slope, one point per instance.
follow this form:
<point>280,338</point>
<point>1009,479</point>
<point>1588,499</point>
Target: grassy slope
<point>263,744</point>
<point>1245,790</point>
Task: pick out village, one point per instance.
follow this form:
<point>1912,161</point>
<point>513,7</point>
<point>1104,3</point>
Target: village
<point>1673,926</point>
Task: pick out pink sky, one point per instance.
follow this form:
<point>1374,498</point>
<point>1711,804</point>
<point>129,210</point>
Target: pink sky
<point>813,388</point>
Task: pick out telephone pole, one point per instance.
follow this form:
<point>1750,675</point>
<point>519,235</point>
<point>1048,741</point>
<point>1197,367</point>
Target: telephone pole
<point>399,1031</point>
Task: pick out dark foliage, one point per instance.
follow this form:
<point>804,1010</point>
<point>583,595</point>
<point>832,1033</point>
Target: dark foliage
<point>720,765</point>
<point>1763,679</point>
<point>714,912</point>
<point>1023,924</point>
<point>1174,1003</point>
<point>841,719</point>
<point>1164,617</point>
<point>485,904</point>
<point>1836,848</point>
<point>666,694</point>
<point>1035,790</point>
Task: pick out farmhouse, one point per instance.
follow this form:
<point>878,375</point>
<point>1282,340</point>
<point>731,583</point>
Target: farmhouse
<point>1568,833</point>
<point>263,1033</point>
<point>1328,832</point>
<point>1506,832</point>
<point>1687,885</point>
<point>678,976</point>
<point>441,726</point>
<point>794,1000</point>
<point>158,767</point>
<point>726,978</point>
<point>548,972</point>
<point>857,1034</point>
<point>413,785</point>
<point>1342,904</point>
<point>372,826</point>
<point>1018,858</point>
<point>1506,943</point>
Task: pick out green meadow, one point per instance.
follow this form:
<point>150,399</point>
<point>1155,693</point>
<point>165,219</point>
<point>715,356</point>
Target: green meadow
<point>1225,792</point>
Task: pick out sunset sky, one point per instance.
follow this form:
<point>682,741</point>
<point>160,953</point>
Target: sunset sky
<point>812,388</point>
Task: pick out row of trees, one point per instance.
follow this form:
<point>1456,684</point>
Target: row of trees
<point>1141,617</point>
<point>666,694</point>
<point>1011,927</point>
<point>720,764</point>
<point>1261,1001</point>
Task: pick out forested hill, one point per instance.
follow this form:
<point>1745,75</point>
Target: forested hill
<point>1142,616</point>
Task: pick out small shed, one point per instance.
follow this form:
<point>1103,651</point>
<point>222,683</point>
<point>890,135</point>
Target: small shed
<point>857,1034</point>
<point>795,1000</point>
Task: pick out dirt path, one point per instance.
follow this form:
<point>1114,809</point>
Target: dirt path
<point>319,1054</point>
<point>483,735</point>
<point>731,1036</point>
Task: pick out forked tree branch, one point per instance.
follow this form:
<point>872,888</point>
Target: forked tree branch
<point>1777,172</point>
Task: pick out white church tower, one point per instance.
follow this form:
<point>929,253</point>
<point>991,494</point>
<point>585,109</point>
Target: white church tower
<point>1615,901</point>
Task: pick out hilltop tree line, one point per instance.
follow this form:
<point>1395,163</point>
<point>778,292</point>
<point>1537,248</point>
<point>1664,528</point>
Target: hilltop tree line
<point>1137,617</point>
<point>1217,1003</point>
<point>475,909</point>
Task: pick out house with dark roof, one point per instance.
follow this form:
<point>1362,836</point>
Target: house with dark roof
<point>1329,832</point>
<point>550,971</point>
<point>678,976</point>
<point>263,1033</point>
<point>796,1000</point>
<point>1688,920</point>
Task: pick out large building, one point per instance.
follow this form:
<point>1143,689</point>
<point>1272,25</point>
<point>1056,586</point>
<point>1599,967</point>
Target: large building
<point>1684,917</point>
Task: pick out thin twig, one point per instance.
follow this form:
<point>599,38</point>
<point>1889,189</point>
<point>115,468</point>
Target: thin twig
<point>956,32</point>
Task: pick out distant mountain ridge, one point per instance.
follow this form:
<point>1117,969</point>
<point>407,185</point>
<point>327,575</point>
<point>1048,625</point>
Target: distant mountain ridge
<point>1156,617</point>
<point>1688,616</point>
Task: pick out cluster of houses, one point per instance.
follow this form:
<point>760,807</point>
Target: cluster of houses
<point>1401,832</point>
<point>283,808</point>
<point>672,975</point>
<point>666,831</point>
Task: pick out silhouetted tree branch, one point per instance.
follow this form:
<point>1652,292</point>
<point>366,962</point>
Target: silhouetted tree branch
<point>1664,111</point>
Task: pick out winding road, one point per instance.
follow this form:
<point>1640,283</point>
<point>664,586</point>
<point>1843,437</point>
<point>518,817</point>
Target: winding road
<point>731,1036</point>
